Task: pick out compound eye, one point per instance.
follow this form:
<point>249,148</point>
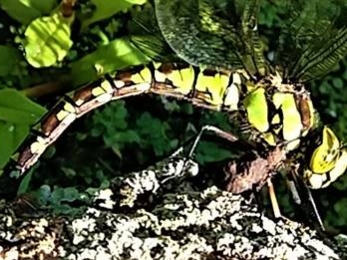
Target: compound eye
<point>325,155</point>
<point>323,180</point>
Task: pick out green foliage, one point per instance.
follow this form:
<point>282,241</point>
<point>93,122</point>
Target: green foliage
<point>47,40</point>
<point>147,132</point>
<point>58,200</point>
<point>25,11</point>
<point>10,57</point>
<point>116,54</point>
<point>271,13</point>
<point>106,8</point>
<point>112,126</point>
<point>25,183</point>
<point>17,115</point>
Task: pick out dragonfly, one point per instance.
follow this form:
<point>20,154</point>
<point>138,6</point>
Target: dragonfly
<point>210,53</point>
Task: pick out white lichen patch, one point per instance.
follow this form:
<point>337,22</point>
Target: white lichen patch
<point>149,181</point>
<point>33,239</point>
<point>82,228</point>
<point>319,245</point>
<point>269,225</point>
<point>105,198</point>
<point>11,254</point>
<point>7,220</point>
<point>137,184</point>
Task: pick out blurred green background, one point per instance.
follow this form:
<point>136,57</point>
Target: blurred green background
<point>131,134</point>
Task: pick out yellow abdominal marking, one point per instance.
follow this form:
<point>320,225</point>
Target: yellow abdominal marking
<point>105,87</point>
<point>67,110</point>
<point>38,146</point>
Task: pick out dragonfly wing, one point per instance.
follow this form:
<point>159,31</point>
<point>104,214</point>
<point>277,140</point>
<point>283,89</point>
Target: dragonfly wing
<point>305,22</point>
<point>146,36</point>
<point>220,34</point>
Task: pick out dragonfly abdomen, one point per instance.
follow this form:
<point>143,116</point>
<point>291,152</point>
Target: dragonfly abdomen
<point>206,88</point>
<point>213,89</point>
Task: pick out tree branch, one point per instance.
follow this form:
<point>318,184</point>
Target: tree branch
<point>158,213</point>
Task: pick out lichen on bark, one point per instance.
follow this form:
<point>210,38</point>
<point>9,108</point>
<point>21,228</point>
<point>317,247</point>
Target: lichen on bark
<point>160,213</point>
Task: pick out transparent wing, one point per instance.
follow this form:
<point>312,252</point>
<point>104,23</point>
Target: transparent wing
<point>224,34</point>
<point>146,36</point>
<point>220,33</point>
<point>314,36</point>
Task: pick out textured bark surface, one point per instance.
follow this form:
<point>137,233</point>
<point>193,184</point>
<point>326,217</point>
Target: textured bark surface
<point>157,213</point>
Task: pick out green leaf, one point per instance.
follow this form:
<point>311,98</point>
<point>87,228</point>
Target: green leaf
<point>48,40</point>
<point>153,133</point>
<point>43,194</point>
<point>340,208</point>
<point>117,54</point>
<point>107,8</point>
<point>338,83</point>
<point>68,172</point>
<point>211,152</point>
<point>17,109</point>
<point>24,11</point>
<point>341,183</point>
<point>8,140</point>
<point>109,121</point>
<point>24,185</point>
<point>9,60</point>
<point>130,136</point>
<point>60,195</point>
<point>17,115</point>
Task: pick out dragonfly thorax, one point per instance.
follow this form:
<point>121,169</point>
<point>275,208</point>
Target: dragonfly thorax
<point>278,112</point>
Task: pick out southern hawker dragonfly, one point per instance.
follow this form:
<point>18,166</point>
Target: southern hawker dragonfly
<point>210,53</point>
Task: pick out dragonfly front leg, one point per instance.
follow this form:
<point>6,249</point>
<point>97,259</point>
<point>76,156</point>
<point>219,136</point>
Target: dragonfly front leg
<point>179,166</point>
<point>218,132</point>
<point>189,166</point>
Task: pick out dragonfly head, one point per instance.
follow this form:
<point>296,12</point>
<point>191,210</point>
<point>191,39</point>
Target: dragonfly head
<point>327,162</point>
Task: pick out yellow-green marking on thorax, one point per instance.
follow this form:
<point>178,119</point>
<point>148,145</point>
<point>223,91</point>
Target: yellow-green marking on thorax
<point>257,109</point>
<point>291,122</point>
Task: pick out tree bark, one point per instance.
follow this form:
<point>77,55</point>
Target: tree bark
<point>158,213</point>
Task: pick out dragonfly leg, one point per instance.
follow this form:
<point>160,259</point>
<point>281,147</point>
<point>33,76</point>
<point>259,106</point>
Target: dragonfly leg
<point>180,166</point>
<point>313,204</point>
<point>232,138</point>
<point>189,165</point>
<point>274,203</point>
<point>293,184</point>
<point>217,131</point>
